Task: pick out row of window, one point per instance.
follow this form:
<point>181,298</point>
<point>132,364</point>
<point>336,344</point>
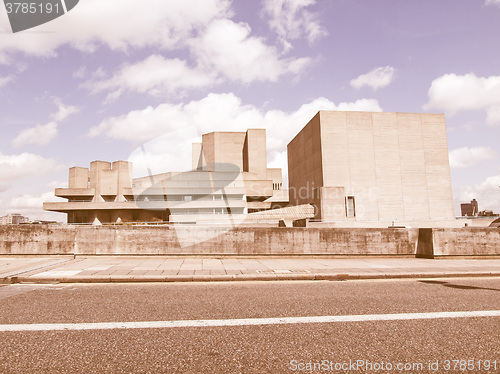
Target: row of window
<point>188,197</point>
<point>111,198</point>
<point>208,211</point>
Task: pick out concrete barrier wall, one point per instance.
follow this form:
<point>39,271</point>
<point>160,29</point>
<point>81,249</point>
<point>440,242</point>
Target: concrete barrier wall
<point>468,241</point>
<point>203,240</point>
<point>161,240</point>
<point>434,243</point>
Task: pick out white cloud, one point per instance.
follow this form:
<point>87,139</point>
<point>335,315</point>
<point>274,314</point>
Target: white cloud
<point>217,46</point>
<point>80,72</point>
<point>31,206</point>
<point>291,20</point>
<point>466,157</point>
<point>44,134</point>
<point>225,50</point>
<point>25,165</point>
<point>486,193</point>
<point>57,184</point>
<point>168,152</point>
<point>100,73</point>
<point>63,111</point>
<point>118,25</point>
<point>5,80</point>
<point>377,78</point>
<point>215,112</point>
<point>40,135</point>
<point>229,49</point>
<point>454,93</point>
<point>155,75</point>
<point>25,202</point>
<point>492,2</point>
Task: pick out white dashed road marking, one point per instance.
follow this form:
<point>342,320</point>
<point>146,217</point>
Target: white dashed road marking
<point>245,321</point>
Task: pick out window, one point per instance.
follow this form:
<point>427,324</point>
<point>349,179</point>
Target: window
<point>350,206</point>
<point>188,198</point>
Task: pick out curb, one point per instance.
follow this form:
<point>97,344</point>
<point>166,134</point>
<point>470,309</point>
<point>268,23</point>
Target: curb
<point>238,278</point>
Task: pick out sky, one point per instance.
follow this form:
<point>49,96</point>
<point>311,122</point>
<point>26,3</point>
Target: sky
<point>114,76</point>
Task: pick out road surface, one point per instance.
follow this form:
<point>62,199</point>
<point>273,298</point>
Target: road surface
<point>389,326</point>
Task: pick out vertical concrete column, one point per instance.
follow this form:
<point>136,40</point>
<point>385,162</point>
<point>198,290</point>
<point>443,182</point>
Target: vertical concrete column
<point>123,178</point>
<point>208,148</point>
<point>425,244</point>
<point>78,177</point>
<point>97,168</point>
<point>254,152</point>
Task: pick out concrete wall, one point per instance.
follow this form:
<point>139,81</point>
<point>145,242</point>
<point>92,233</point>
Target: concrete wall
<point>78,177</point>
<point>305,168</point>
<point>395,165</point>
<point>434,243</point>
<point>255,153</point>
<point>274,174</point>
<point>223,147</point>
<point>398,164</point>
<point>204,240</point>
<point>329,203</point>
<point>47,239</point>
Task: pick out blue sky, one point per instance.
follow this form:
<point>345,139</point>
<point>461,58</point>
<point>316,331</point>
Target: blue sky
<point>112,75</point>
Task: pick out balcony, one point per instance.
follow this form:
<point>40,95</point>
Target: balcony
<point>75,192</point>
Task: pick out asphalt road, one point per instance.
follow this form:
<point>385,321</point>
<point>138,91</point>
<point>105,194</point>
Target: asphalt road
<point>378,346</point>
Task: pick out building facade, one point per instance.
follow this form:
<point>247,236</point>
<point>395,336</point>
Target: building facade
<point>350,166</point>
<point>363,166</point>
<point>13,219</point>
<point>229,177</point>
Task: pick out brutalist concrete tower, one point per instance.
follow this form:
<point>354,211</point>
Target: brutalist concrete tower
<point>372,166</point>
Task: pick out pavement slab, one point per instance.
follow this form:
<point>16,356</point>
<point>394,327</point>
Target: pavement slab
<point>55,269</point>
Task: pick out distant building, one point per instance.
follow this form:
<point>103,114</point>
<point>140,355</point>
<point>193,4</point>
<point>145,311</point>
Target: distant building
<point>487,213</point>
<point>362,166</point>
<point>13,219</point>
<point>229,176</point>
<point>470,209</point>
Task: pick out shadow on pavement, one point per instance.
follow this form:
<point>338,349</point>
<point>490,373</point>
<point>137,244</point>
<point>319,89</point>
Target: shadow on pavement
<point>459,286</point>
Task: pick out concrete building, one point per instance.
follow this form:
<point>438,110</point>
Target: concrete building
<point>13,219</point>
<point>362,166</point>
<point>229,176</point>
<point>354,168</point>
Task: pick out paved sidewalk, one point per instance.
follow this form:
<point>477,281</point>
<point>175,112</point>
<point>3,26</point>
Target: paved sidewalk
<point>184,269</point>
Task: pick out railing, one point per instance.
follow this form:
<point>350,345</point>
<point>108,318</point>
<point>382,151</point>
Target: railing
<point>385,220</point>
<point>120,224</point>
<point>170,224</point>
